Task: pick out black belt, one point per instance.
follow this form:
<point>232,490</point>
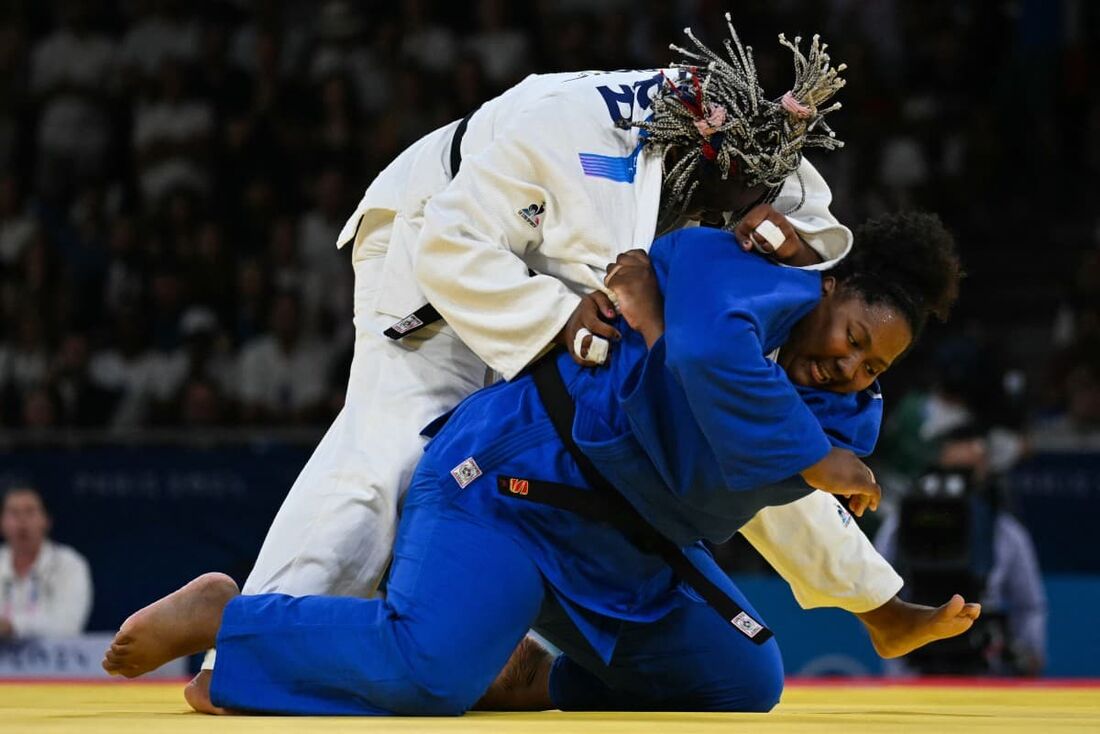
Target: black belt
<point>427,314</point>
<point>603,503</point>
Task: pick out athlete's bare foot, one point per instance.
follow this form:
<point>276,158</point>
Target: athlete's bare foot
<point>183,623</point>
<point>197,695</point>
<point>897,627</point>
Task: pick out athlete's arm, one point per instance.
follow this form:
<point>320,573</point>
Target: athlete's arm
<point>480,235</point>
<point>804,201</point>
<point>468,259</point>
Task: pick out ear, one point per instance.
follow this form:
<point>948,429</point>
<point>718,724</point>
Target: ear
<point>828,286</point>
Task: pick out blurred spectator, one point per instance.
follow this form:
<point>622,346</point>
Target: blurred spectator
<point>502,50</point>
<point>28,358</point>
<point>341,53</point>
<point>328,274</point>
<point>425,42</point>
<point>17,227</point>
<point>201,404</point>
<point>124,281</point>
<point>72,75</point>
<point>171,138</point>
<point>82,403</point>
<point>163,32</point>
<point>204,357</point>
<point>1077,427</point>
<point>128,367</point>
<point>45,587</point>
<point>283,373</point>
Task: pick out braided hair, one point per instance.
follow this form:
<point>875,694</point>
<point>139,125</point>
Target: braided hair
<point>907,261</point>
<point>716,112</point>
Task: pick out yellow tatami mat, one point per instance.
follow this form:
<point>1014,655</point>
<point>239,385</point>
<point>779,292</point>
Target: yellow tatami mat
<point>158,708</point>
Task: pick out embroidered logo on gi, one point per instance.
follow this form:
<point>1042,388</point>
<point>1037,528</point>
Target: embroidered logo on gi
<point>845,516</point>
<point>466,472</point>
<point>407,324</point>
<point>518,486</point>
<point>532,214</point>
<point>747,624</point>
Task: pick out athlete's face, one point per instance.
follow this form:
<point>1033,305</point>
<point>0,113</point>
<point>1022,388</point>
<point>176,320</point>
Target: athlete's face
<point>714,196</point>
<point>844,344</point>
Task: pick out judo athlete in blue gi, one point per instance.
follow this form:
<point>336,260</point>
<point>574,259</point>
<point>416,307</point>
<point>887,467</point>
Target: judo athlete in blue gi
<point>694,427</point>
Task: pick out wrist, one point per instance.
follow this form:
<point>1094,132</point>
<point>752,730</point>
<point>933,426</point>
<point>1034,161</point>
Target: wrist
<point>803,254</point>
<point>652,332</point>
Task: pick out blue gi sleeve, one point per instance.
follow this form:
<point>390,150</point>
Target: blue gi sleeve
<point>724,311</point>
<point>851,420</point>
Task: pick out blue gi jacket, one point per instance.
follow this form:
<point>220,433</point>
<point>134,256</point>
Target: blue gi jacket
<point>695,433</point>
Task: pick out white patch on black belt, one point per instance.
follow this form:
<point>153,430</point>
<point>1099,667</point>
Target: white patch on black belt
<point>747,624</point>
<point>407,324</point>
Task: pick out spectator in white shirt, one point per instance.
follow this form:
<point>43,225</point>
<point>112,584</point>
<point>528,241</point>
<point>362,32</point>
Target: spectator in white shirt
<point>71,75</point>
<point>45,587</point>
<point>283,374</point>
<point>171,138</point>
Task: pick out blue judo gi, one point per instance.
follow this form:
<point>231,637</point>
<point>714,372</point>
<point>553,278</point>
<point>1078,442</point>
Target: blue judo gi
<point>698,434</point>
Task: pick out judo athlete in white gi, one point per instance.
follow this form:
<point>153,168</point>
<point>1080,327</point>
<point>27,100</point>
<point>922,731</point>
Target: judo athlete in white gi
<point>575,500</point>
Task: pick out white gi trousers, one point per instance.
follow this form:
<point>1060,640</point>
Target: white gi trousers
<point>335,530</point>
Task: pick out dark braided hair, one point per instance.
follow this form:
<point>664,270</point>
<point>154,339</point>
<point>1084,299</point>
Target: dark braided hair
<point>906,260</point>
<point>716,112</point>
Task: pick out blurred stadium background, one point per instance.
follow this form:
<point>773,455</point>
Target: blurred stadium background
<point>175,327</point>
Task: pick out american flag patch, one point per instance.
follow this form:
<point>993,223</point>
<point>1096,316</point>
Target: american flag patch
<point>466,472</point>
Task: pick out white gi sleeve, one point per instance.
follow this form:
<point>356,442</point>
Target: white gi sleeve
<point>468,257</point>
<point>812,220</point>
<point>819,550</point>
<point>64,610</point>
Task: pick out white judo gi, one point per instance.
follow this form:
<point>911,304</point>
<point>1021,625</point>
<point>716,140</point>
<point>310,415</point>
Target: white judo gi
<point>547,184</point>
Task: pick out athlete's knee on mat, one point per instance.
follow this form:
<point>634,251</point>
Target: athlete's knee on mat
<point>755,687</point>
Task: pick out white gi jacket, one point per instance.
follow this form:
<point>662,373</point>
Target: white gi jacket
<point>549,183</point>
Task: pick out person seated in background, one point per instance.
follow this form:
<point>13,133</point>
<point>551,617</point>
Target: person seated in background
<point>45,587</point>
<point>952,531</point>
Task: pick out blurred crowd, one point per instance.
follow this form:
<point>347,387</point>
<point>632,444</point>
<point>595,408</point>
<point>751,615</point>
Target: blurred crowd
<point>173,176</point>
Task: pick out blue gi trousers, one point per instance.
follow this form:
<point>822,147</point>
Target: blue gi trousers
<point>460,597</point>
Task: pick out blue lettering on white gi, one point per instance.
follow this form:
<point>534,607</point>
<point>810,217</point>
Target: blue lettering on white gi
<point>620,100</point>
